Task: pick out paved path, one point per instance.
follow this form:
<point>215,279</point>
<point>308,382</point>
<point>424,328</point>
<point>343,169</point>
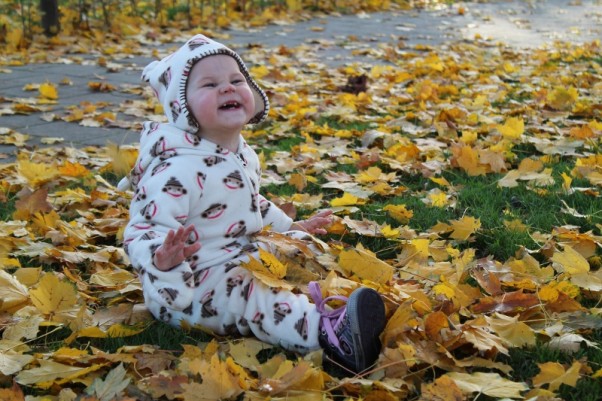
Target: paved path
<point>518,23</point>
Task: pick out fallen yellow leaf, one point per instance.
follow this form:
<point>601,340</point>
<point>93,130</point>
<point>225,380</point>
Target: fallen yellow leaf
<point>554,374</point>
<point>52,295</point>
<point>356,262</point>
<point>513,128</point>
<point>570,261</point>
<point>49,91</point>
<point>490,384</point>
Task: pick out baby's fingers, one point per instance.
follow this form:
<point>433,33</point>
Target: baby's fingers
<point>324,213</point>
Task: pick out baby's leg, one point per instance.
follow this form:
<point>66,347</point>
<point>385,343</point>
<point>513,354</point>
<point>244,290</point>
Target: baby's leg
<point>228,300</point>
<point>276,316</point>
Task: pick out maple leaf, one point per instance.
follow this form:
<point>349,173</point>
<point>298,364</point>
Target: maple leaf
<point>562,98</point>
<point>490,384</point>
<point>290,377</point>
<point>269,270</point>
<point>488,280</point>
<point>23,327</point>
<point>513,128</point>
<point>347,200</point>
<point>399,213</point>
<point>442,389</point>
<point>245,351</point>
<point>73,170</point>
<point>53,296</point>
<point>30,203</point>
<point>48,372</point>
<point>570,261</point>
<point>48,91</point>
<point>122,158</point>
<point>299,181</point>
<point>437,198</point>
<point>114,331</point>
<point>591,281</point>
<point>570,342</point>
<point>365,266</point>
<point>506,303</point>
<point>464,228</point>
<point>433,325</point>
<point>511,330</point>
<point>11,361</point>
<point>12,292</point>
<point>12,394</point>
<point>37,174</point>
<point>479,335</point>
<point>112,386</point>
<point>554,374</point>
<point>218,382</point>
<point>467,158</point>
<point>391,233</point>
<point>167,384</point>
<point>101,86</point>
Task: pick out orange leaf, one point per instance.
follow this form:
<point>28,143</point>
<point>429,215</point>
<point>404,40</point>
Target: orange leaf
<point>73,170</point>
<point>442,389</point>
<point>31,203</point>
<point>434,323</point>
<point>12,394</point>
<point>506,303</point>
<point>468,159</point>
<point>164,384</point>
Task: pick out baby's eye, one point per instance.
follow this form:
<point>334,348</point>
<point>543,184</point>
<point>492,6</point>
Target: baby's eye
<point>209,85</point>
<point>238,81</point>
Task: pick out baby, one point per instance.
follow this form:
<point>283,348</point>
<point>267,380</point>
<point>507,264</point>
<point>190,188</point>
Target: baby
<point>196,205</point>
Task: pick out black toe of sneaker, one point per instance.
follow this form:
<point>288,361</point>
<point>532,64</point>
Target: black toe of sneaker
<point>358,332</point>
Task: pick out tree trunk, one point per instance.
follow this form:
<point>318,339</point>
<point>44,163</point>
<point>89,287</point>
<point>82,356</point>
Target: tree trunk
<point>50,17</point>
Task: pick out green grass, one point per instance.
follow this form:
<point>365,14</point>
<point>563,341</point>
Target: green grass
<point>538,209</point>
<point>157,333</point>
<point>524,362</point>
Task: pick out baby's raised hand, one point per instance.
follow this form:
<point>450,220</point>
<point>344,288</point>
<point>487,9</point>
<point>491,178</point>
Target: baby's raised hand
<point>314,224</point>
<point>175,248</point>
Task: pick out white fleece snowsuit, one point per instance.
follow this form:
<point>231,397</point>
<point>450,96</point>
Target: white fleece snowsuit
<point>180,179</point>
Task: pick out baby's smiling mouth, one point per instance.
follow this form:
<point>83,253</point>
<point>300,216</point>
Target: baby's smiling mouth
<point>229,105</point>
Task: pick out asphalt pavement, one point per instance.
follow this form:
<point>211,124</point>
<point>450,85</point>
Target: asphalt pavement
<point>332,40</point>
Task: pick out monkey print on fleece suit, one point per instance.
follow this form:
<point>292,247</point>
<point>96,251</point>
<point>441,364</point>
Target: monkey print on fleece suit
<point>182,179</point>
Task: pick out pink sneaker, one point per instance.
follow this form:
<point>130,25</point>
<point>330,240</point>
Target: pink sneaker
<point>350,334</point>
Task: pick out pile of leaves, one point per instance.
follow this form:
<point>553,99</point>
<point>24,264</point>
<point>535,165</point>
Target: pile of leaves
<point>355,139</point>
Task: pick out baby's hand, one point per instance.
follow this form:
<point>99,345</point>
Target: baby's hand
<point>314,224</point>
<point>175,249</point>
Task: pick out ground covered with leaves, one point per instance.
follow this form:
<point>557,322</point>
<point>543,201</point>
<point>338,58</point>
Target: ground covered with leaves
<point>466,184</point>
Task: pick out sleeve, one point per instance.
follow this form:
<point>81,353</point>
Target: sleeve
<point>161,203</point>
<point>274,216</point>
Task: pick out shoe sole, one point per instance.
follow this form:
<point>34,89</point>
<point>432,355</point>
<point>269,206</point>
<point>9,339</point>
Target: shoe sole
<point>366,305</point>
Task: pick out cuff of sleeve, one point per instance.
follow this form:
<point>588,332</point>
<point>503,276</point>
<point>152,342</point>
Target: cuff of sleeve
<point>282,224</point>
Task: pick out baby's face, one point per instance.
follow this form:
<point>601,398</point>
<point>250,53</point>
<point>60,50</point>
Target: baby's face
<point>219,97</point>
